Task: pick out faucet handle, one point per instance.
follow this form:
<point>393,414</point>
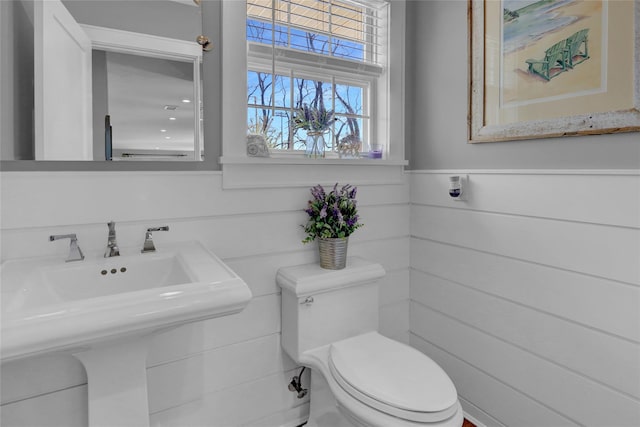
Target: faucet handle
<point>148,239</point>
<point>112,245</point>
<point>75,253</point>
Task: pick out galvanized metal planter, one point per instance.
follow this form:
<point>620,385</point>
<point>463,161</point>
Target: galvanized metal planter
<point>333,252</point>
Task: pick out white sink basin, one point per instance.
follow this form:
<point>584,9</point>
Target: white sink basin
<point>49,305</point>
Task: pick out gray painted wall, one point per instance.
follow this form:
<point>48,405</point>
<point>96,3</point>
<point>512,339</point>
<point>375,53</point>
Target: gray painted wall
<point>160,18</point>
<point>16,92</point>
<point>436,131</point>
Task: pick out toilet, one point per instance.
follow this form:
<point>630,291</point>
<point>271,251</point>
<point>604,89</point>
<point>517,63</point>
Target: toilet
<point>358,377</point>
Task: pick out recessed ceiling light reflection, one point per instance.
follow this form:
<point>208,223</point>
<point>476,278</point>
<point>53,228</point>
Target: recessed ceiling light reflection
<point>172,118</point>
<point>186,101</point>
<point>163,130</point>
<point>167,137</point>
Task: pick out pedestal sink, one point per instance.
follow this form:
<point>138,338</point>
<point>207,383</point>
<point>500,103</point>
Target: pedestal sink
<point>105,311</point>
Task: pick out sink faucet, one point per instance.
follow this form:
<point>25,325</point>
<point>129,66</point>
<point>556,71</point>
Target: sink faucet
<point>148,245</point>
<point>112,245</point>
<point>75,253</point>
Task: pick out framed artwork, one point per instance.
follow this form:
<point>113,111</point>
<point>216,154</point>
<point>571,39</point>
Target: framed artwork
<point>551,68</point>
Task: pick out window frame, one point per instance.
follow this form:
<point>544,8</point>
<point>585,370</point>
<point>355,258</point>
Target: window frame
<point>243,171</point>
<point>295,63</point>
<point>335,77</point>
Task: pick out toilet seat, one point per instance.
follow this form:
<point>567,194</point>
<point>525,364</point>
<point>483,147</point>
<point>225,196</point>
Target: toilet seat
<point>393,378</point>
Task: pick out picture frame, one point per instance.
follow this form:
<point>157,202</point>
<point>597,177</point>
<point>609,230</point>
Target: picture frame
<point>508,101</point>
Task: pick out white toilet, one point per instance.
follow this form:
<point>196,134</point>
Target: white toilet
<point>358,377</point>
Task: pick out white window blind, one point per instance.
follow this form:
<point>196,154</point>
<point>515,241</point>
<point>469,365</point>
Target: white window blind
<point>321,53</point>
<point>342,29</point>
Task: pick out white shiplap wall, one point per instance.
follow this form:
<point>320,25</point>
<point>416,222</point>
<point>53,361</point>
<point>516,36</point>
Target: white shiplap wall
<point>528,293</point>
<point>220,372</point>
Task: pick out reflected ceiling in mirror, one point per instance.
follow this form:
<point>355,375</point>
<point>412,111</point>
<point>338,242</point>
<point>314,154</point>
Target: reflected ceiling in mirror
<point>150,103</point>
<point>25,132</point>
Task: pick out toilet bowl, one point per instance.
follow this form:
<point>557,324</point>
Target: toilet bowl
<point>358,377</point>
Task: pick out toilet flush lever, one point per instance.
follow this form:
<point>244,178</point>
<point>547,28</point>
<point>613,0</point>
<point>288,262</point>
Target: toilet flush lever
<point>307,301</point>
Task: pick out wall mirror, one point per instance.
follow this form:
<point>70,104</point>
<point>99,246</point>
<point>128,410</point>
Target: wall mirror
<point>98,80</point>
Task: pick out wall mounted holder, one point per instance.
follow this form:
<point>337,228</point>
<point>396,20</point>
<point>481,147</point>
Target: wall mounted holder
<point>457,184</point>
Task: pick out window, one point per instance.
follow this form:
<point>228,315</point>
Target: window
<point>328,54</point>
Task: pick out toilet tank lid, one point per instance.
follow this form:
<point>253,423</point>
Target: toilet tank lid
<point>308,279</point>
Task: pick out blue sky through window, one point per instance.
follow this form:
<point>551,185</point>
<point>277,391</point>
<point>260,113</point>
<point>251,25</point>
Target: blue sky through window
<point>319,43</point>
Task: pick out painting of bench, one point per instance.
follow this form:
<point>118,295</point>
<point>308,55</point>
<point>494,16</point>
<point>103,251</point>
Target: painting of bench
<point>553,62</point>
<point>574,53</point>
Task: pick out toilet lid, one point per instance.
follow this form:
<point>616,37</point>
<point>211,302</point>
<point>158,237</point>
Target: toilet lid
<point>393,378</point>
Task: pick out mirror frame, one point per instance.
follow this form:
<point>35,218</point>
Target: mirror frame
<point>212,117</point>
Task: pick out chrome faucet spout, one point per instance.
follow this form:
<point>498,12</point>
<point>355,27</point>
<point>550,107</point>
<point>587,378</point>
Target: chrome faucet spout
<point>148,245</point>
<point>75,253</point>
<point>112,245</point>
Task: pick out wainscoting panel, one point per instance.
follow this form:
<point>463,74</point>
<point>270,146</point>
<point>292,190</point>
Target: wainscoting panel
<point>585,195</point>
<point>570,295</point>
<point>141,196</point>
<point>528,293</point>
<point>394,320</point>
<point>540,333</point>
<point>211,334</point>
<point>204,373</point>
<point>293,417</point>
<point>37,376</point>
<point>573,246</point>
<point>64,408</point>
<point>229,236</point>
<point>490,395</point>
<point>185,380</point>
<point>543,380</point>
<point>235,406</point>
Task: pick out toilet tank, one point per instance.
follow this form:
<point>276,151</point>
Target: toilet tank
<point>322,306</point>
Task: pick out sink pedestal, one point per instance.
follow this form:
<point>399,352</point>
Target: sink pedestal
<point>117,382</point>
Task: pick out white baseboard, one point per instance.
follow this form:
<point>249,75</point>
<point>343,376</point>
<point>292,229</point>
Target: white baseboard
<point>296,423</point>
<point>293,417</point>
<point>473,420</point>
<point>477,416</point>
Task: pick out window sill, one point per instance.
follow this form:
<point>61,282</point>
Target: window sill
<point>298,171</point>
<point>291,159</point>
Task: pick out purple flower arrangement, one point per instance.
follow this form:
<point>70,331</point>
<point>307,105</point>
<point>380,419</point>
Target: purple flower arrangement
<point>333,214</point>
<point>313,119</point>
